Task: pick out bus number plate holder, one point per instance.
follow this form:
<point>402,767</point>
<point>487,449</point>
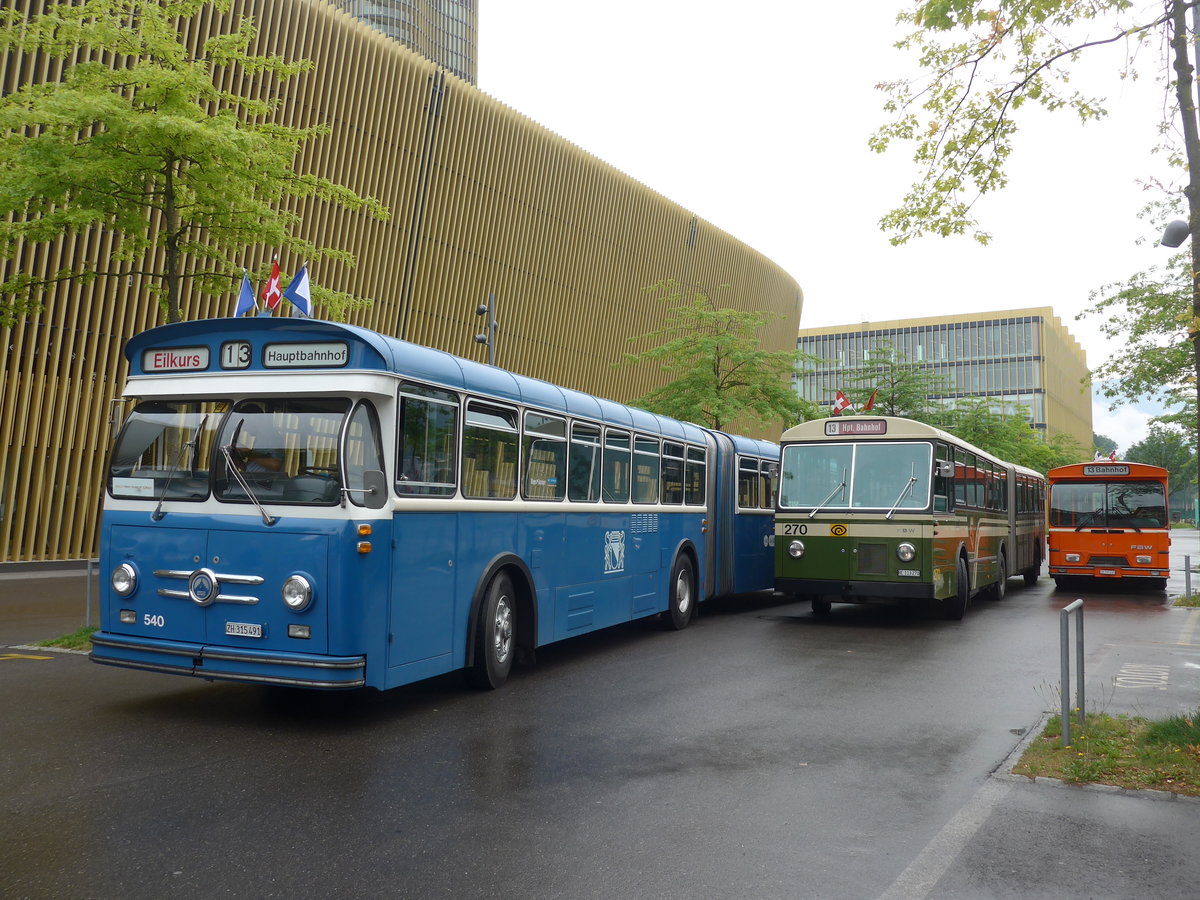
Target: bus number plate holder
<point>244,629</point>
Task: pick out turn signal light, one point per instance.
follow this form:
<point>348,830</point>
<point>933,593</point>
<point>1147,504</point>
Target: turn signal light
<point>364,530</point>
<point>364,546</point>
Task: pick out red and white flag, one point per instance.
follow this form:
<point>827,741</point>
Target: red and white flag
<point>840,403</point>
<point>1113,455</point>
<point>271,293</point>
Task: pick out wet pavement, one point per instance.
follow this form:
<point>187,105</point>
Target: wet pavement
<point>759,753</point>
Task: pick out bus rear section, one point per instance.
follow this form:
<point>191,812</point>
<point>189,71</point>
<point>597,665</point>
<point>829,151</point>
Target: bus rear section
<point>1109,520</point>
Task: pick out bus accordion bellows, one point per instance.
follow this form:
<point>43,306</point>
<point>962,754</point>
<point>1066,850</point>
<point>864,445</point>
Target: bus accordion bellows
<point>881,508</point>
<point>302,503</point>
<point>1109,519</point>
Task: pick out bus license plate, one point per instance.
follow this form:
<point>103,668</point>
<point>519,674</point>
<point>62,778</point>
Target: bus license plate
<point>911,573</point>
<point>243,629</point>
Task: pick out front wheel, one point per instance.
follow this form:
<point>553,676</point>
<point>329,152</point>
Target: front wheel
<point>821,607</point>
<point>495,635</point>
<point>1000,588</point>
<point>681,602</point>
<point>956,607</point>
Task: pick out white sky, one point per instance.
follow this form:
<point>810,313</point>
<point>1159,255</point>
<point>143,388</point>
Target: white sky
<point>756,116</point>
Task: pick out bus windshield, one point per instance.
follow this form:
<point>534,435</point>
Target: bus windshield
<point>164,449</point>
<point>1121,504</point>
<point>873,475</point>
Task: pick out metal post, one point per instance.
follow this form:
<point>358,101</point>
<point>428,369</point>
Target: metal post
<point>1187,576</point>
<point>1064,633</point>
<point>87,614</point>
<point>489,337</point>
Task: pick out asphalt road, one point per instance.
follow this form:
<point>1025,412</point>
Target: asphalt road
<point>760,753</point>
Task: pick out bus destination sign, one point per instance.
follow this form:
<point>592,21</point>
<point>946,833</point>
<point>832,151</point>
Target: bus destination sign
<point>836,427</point>
<point>176,359</point>
<point>324,355</point>
<point>1104,469</point>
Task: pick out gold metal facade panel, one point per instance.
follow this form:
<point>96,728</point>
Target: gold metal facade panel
<point>482,200</point>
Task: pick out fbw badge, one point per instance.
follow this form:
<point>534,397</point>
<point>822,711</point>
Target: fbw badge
<point>614,551</point>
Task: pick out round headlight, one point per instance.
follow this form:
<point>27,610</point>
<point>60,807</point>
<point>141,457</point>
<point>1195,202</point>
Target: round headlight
<point>906,552</point>
<point>124,579</point>
<point>796,549</point>
<point>297,593</point>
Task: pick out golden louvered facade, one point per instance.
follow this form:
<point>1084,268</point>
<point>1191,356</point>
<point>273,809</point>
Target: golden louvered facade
<point>483,201</point>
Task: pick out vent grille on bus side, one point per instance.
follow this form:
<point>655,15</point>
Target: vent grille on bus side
<point>872,559</point>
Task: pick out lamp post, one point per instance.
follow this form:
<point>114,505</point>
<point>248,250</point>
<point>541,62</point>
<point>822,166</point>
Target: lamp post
<point>489,337</point>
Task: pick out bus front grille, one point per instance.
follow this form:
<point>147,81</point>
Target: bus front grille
<point>1107,561</point>
<point>872,559</point>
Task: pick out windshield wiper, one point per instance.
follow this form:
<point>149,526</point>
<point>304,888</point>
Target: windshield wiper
<point>158,514</point>
<point>912,480</point>
<point>227,452</point>
<point>840,487</point>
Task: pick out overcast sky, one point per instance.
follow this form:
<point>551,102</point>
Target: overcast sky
<point>755,116</point>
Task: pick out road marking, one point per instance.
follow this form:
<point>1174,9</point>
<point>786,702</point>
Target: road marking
<point>4,656</point>
<point>1133,675</point>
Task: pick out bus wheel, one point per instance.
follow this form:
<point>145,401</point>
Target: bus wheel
<point>956,606</point>
<point>495,637</point>
<point>1001,586</point>
<point>821,607</point>
<point>682,599</point>
<point>1031,577</point>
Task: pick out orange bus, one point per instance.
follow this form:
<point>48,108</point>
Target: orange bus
<point>1109,520</point>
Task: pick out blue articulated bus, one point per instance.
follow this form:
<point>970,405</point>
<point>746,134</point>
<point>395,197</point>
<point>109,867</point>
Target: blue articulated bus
<point>302,503</point>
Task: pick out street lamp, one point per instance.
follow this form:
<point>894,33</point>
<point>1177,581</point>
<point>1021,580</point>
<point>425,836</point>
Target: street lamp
<point>489,337</point>
<point>1175,233</point>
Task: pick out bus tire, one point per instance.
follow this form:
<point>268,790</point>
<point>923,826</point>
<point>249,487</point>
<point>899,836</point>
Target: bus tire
<point>1031,577</point>
<point>495,641</point>
<point>821,607</point>
<point>1000,588</point>
<point>956,606</point>
<point>681,596</point>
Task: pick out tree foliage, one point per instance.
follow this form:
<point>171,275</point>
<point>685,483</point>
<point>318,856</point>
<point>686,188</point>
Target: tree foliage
<point>1167,448</point>
<point>718,372</point>
<point>138,138</point>
<point>1008,436</point>
<point>900,386</point>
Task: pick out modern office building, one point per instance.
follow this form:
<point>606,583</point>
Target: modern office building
<point>483,202</point>
<point>443,31</point>
<point>1023,357</point>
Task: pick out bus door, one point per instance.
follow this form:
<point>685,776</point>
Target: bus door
<point>722,505</point>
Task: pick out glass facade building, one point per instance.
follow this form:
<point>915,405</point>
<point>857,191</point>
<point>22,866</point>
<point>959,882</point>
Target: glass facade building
<point>445,32</point>
<point>1024,357</point>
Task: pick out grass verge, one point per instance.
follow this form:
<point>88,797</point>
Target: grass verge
<point>76,640</point>
<point>1126,751</point>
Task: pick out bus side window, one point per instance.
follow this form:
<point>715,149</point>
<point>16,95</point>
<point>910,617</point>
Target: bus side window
<point>672,473</point>
<point>364,452</point>
<point>960,477</point>
<point>770,482</point>
<point>425,461</point>
<point>545,457</point>
<point>489,452</point>
<point>747,483</point>
<point>583,471</point>
<point>645,470</point>
<point>695,476</point>
<point>616,466</point>
<point>943,474</point>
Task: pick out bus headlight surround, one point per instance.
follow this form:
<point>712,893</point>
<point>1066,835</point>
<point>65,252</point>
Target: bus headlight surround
<point>124,579</point>
<point>906,552</point>
<point>297,593</point>
<point>796,549</point>
<point>1072,557</point>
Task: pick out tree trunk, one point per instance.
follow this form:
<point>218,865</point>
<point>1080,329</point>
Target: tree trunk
<point>1180,42</point>
<point>171,245</point>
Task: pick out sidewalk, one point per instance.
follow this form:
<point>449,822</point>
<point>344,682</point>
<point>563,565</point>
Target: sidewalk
<point>44,601</point>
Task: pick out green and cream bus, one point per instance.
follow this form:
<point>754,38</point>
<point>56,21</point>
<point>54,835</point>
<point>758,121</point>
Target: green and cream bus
<point>879,508</point>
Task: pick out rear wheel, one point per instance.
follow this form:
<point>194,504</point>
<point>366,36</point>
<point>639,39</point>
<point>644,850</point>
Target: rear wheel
<point>495,635</point>
<point>681,602</point>
<point>1031,577</point>
<point>821,607</point>
<point>1000,588</point>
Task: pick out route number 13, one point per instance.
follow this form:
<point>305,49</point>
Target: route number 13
<point>235,355</point>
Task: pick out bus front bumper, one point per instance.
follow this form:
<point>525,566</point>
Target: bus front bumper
<point>1106,572</point>
<point>856,591</point>
<point>229,663</point>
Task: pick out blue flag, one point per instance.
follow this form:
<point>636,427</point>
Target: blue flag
<point>297,292</point>
<point>246,301</point>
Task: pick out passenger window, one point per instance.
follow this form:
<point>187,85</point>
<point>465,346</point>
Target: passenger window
<point>545,444</point>
<point>770,483</point>
<point>672,473</point>
<point>695,477</point>
<point>489,452</point>
<point>747,486</point>
<point>583,476</point>
<point>428,441</point>
<point>616,466</point>
<point>645,470</point>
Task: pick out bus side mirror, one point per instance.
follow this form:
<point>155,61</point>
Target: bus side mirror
<point>376,494</point>
<point>944,469</point>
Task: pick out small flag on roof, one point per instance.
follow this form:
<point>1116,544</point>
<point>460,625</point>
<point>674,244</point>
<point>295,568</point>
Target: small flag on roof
<point>298,294</point>
<point>245,301</point>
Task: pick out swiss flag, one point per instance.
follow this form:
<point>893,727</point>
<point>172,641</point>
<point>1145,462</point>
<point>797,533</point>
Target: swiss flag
<point>271,293</point>
<point>840,403</point>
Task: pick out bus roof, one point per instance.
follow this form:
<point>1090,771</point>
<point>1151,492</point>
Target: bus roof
<point>167,350</point>
<point>877,428</point>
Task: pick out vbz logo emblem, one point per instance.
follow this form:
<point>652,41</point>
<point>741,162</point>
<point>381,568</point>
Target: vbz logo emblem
<point>838,530</point>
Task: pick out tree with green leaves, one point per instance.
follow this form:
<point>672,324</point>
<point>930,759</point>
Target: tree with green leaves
<point>983,60</point>
<point>1007,435</point>
<point>1103,444</point>
<point>139,138</point>
<point>900,386</point>
<point>1167,448</point>
<point>718,372</point>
